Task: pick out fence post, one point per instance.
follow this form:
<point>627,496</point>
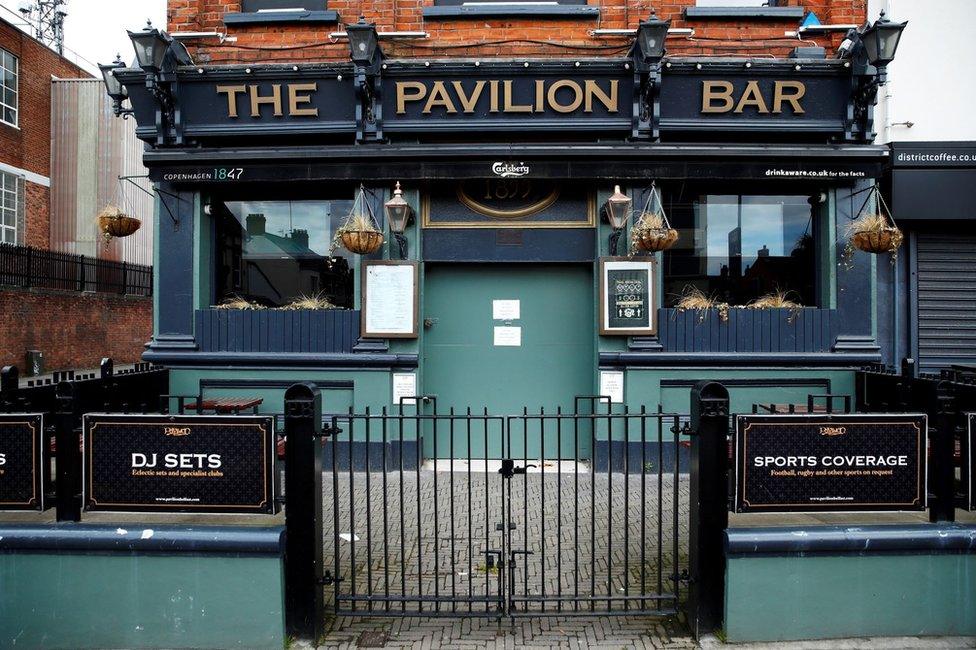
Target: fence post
<point>123,278</point>
<point>9,385</point>
<point>68,456</point>
<point>943,442</point>
<point>303,511</point>
<point>709,496</point>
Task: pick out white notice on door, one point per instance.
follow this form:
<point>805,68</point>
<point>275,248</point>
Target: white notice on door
<point>612,384</point>
<point>404,386</point>
<point>506,309</point>
<point>508,336</point>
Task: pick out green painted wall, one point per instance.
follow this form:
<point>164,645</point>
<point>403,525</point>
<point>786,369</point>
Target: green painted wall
<point>141,601</point>
<point>823,597</point>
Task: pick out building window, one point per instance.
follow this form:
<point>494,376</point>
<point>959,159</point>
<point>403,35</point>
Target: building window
<point>736,248</point>
<point>275,252</point>
<point>8,87</point>
<point>9,204</point>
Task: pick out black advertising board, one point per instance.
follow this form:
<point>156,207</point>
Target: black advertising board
<point>21,461</point>
<point>969,459</point>
<point>803,463</point>
<point>201,464</point>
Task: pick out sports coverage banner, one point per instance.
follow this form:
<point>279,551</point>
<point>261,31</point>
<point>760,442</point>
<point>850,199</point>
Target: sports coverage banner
<point>797,463</point>
<point>216,464</point>
<point>21,461</point>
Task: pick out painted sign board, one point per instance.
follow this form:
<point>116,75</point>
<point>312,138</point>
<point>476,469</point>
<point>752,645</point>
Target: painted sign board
<point>627,296</point>
<point>21,461</point>
<point>185,463</point>
<point>807,463</point>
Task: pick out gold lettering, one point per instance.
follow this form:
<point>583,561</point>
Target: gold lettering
<point>294,99</point>
<point>509,106</point>
<point>439,97</point>
<point>716,90</point>
<point>493,96</point>
<point>257,100</point>
<point>232,92</point>
<point>752,96</point>
<point>794,98</point>
<point>402,97</point>
<point>592,89</point>
<point>565,108</point>
<point>468,101</point>
<point>540,96</point>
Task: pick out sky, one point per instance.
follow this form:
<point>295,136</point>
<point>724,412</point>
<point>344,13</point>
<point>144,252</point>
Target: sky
<point>94,30</point>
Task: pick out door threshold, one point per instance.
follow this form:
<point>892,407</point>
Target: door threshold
<point>492,466</point>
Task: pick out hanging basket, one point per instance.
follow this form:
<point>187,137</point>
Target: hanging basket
<point>653,240</point>
<point>362,242</point>
<point>877,241</point>
<point>112,222</point>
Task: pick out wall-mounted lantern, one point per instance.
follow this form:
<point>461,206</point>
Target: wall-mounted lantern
<point>363,42</point>
<point>646,55</point>
<point>398,213</point>
<point>618,209</point>
<point>113,87</point>
<point>366,54</point>
<point>880,43</point>
<point>649,44</point>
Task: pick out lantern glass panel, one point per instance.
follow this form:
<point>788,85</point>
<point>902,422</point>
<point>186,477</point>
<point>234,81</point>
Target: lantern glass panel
<point>362,43</point>
<point>651,36</point>
<point>112,85</point>
<point>150,48</point>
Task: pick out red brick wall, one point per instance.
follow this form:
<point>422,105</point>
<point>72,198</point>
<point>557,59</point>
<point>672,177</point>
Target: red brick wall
<point>29,146</point>
<point>72,330</point>
<point>505,37</point>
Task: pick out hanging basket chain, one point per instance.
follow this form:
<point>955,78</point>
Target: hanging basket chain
<point>652,232</point>
<point>360,232</point>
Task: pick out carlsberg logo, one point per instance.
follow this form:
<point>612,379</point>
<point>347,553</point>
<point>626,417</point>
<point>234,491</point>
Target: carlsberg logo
<point>509,170</point>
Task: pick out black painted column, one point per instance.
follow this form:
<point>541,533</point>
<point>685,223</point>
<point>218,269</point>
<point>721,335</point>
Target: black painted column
<point>175,274</point>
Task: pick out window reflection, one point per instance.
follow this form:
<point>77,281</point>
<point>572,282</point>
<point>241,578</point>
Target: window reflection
<point>737,248</point>
<point>274,252</point>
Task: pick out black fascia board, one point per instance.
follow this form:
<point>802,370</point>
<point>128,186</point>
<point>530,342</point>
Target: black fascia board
<point>277,17</point>
<point>517,10</point>
<point>747,13</point>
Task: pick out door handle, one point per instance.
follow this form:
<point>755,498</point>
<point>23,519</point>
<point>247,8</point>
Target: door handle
<point>429,322</point>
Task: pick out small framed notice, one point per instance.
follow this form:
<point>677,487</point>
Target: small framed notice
<point>404,388</point>
<point>390,299</point>
<point>627,300</point>
<point>612,385</point>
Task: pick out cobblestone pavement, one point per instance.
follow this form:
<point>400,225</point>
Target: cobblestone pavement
<point>594,544</point>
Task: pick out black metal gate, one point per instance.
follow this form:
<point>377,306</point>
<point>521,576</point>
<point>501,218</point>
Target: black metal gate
<point>488,527</point>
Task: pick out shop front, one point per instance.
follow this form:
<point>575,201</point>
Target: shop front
<point>517,282</point>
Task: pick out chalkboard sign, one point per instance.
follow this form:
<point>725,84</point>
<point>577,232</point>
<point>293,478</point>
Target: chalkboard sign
<point>21,461</point>
<point>200,464</point>
<point>797,463</point>
<point>627,302</point>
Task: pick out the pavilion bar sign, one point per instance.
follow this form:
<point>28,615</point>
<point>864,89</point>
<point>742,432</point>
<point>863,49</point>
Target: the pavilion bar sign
<point>795,463</point>
<point>21,461</point>
<point>179,463</point>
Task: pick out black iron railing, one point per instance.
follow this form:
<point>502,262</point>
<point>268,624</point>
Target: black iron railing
<point>27,267</point>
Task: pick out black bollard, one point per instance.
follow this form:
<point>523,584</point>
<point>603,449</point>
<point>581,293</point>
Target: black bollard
<point>68,457</point>
<point>709,501</point>
<point>303,512</point>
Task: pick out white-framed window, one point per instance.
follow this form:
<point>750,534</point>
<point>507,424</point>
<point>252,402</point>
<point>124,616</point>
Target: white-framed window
<point>8,208</point>
<point>8,87</point>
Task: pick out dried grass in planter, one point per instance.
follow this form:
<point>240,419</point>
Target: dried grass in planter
<point>236,302</point>
<point>693,299</point>
<point>775,300</point>
<point>315,302</point>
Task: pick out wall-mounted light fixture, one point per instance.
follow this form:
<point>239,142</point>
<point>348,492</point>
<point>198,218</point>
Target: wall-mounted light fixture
<point>880,43</point>
<point>366,54</point>
<point>399,214</point>
<point>114,87</point>
<point>618,209</point>
<point>646,54</point>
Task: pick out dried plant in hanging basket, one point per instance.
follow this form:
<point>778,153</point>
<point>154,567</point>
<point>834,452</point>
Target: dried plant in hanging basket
<point>874,233</point>
<point>112,222</point>
<point>359,234</point>
<point>652,233</point>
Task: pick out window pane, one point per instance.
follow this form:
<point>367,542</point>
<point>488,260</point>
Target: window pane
<point>736,248</point>
<point>273,252</point>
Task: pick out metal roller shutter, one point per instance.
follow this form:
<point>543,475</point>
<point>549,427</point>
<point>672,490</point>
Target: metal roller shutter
<point>946,300</point>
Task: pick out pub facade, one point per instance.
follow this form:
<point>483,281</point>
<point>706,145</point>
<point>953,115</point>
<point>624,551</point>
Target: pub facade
<point>517,275</point>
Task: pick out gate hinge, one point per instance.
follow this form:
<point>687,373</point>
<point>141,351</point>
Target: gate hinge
<point>328,579</point>
<point>508,468</point>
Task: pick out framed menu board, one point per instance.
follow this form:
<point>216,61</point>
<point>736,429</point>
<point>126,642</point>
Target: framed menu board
<point>627,300</point>
<point>390,299</point>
